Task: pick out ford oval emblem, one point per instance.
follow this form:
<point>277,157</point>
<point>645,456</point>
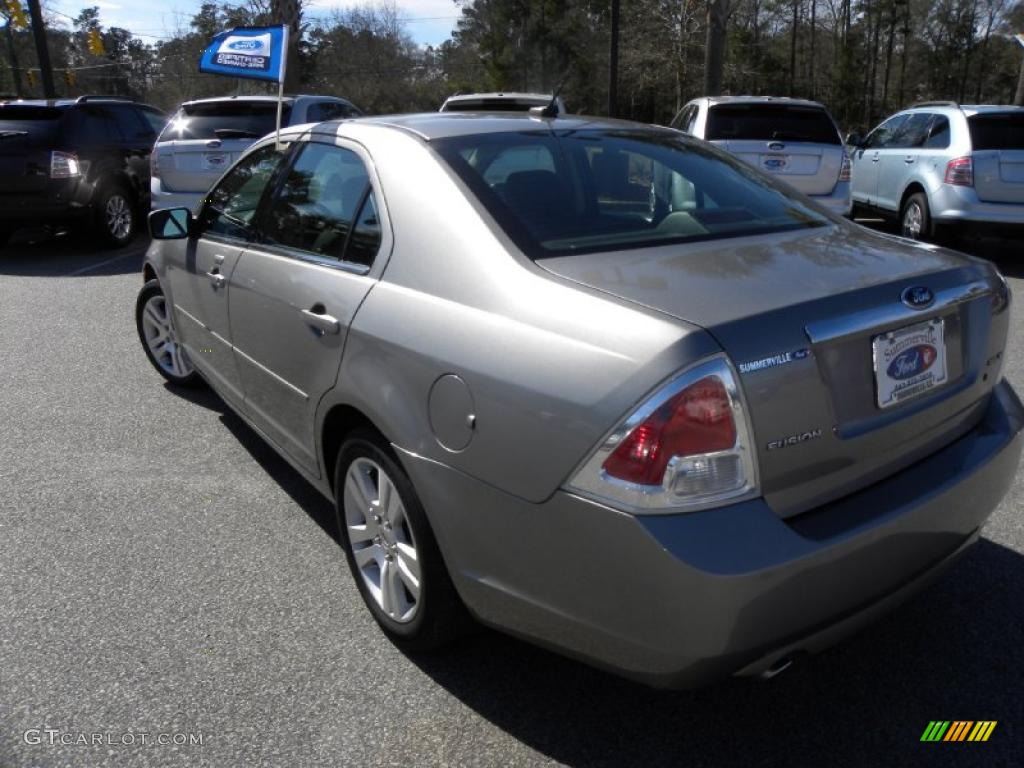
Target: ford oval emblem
<point>776,145</point>
<point>913,361</point>
<point>917,297</point>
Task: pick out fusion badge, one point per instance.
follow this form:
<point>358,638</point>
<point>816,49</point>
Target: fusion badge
<point>770,362</point>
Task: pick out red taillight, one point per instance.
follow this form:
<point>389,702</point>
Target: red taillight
<point>844,170</point>
<point>697,420</point>
<point>960,172</point>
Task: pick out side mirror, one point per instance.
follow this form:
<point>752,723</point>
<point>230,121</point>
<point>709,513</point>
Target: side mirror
<point>170,224</point>
<point>854,140</point>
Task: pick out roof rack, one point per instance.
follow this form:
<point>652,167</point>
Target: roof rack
<point>94,97</point>
<point>935,104</point>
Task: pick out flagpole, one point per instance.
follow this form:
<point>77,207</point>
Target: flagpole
<point>280,83</point>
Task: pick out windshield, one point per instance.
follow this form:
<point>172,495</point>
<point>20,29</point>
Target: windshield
<point>494,105</point>
<point>225,120</point>
<point>767,122</point>
<point>999,130</point>
<point>584,191</point>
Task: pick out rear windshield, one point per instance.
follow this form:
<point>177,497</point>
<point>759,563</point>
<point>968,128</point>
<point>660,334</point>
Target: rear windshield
<point>764,122</point>
<point>1001,130</point>
<point>225,120</point>
<point>584,191</point>
<point>24,123</point>
<point>492,105</point>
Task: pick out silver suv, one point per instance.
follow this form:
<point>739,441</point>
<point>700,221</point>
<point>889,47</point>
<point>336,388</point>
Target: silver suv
<point>206,136</point>
<point>794,139</point>
<point>939,165</point>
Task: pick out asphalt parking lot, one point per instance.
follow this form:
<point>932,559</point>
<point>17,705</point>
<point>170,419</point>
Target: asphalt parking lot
<point>163,572</point>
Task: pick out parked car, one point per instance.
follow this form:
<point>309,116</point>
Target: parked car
<point>501,102</point>
<point>794,139</point>
<point>76,161</point>
<point>940,166</point>
<point>206,136</point>
<point>597,382</point>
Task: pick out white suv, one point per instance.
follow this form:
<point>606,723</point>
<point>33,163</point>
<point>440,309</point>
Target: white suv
<point>794,139</point>
<point>940,167</point>
<point>206,136</point>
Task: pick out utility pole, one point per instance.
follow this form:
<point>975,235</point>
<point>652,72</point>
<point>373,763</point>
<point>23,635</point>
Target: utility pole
<point>613,63</point>
<point>288,12</point>
<point>42,51</point>
<point>12,54</point>
<point>1018,99</point>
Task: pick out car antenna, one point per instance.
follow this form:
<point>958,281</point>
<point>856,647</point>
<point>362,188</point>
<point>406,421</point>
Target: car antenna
<point>551,110</point>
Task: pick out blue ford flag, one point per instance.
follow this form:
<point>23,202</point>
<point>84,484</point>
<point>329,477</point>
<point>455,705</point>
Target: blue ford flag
<point>253,52</point>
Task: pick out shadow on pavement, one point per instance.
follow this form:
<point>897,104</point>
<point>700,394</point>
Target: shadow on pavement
<point>952,653</point>
<point>37,253</point>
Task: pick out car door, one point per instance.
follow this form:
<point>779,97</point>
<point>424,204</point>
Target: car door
<point>864,176</point>
<point>898,159</point>
<point>294,293</point>
<point>200,270</point>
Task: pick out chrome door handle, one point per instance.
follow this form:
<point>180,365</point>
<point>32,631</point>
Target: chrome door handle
<point>216,278</point>
<point>874,158</point>
<point>323,323</point>
<point>909,159</point>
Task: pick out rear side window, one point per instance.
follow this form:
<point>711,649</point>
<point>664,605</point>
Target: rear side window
<point>586,191</point>
<point>94,126</point>
<point>157,120</point>
<point>130,123</point>
<point>1001,130</point>
<point>938,134</point>
<point>329,110</point>
<point>765,122</point>
<point>224,120</point>
<point>318,201</point>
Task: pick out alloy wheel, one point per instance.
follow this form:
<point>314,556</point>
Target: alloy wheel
<point>119,216</point>
<point>161,339</point>
<point>381,540</point>
<point>913,219</point>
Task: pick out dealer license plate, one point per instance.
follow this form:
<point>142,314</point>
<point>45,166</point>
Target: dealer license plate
<point>909,362</point>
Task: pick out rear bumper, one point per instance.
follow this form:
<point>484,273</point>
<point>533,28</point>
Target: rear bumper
<point>678,600</point>
<point>838,201</point>
<point>161,198</point>
<point>951,204</point>
<point>61,202</point>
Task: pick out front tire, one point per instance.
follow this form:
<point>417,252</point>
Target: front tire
<point>915,218</point>
<point>116,218</point>
<point>159,338</point>
<point>390,548</point>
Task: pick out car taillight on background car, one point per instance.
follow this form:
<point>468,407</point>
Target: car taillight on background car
<point>686,447</point>
<point>845,168</point>
<point>64,165</point>
<point>960,172</point>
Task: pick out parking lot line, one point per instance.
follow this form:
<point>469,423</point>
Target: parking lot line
<point>91,267</point>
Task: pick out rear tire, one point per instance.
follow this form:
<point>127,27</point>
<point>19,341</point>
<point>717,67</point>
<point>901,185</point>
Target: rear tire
<point>116,215</point>
<point>915,218</point>
<point>159,339</point>
<point>391,549</point>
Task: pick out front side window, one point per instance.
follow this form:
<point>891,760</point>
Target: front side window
<point>318,201</point>
<point>232,205</point>
<point>881,137</point>
<point>912,133</point>
<point>581,191</point>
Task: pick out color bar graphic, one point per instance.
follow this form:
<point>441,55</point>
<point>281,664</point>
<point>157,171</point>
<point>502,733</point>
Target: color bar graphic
<point>958,730</point>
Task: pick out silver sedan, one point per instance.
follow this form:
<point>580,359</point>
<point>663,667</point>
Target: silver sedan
<point>594,383</point>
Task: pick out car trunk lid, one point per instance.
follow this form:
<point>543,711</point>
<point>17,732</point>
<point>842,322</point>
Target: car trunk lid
<point>796,142</point>
<point>799,313</point>
<point>204,138</point>
<point>997,139</point>
<point>27,134</point>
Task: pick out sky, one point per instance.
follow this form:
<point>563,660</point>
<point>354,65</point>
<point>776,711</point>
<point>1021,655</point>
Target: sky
<point>428,21</point>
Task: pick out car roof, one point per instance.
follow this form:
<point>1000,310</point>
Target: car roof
<point>287,99</point>
<point>967,109</point>
<point>442,125</point>
<point>785,100</point>
<point>71,102</point>
<point>510,95</point>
